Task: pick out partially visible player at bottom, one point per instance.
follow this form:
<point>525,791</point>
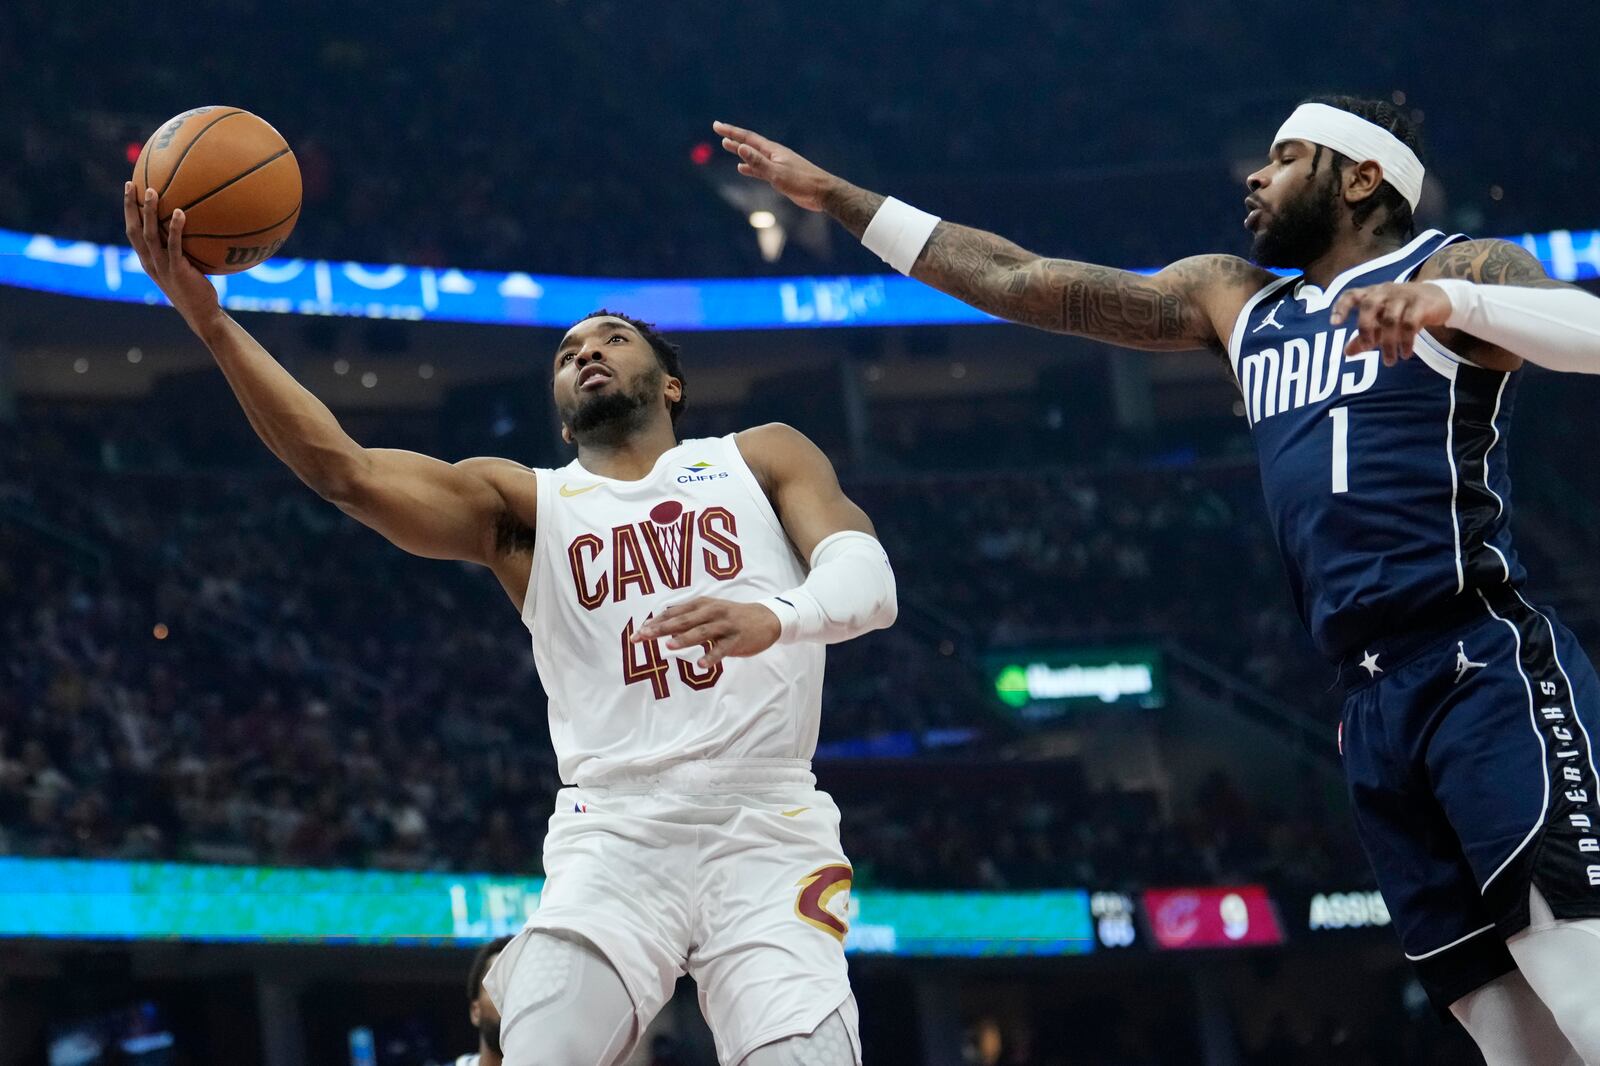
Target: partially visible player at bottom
<point>692,837</point>
<point>481,1011</point>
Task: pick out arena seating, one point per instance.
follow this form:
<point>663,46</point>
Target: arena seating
<point>315,696</point>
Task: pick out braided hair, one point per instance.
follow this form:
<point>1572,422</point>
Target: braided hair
<point>1397,220</point>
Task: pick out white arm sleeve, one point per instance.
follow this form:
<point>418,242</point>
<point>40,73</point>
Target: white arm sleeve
<point>850,591</point>
<point>1555,328</point>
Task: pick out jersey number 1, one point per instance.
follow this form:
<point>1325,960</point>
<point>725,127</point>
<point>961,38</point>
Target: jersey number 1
<point>1341,448</point>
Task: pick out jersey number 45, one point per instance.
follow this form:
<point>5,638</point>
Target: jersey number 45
<point>645,662</point>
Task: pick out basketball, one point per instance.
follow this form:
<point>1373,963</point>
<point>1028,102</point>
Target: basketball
<point>235,179</point>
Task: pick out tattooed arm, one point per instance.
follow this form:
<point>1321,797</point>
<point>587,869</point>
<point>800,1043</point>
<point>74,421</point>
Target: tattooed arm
<point>1169,310</point>
<point>1191,304</point>
<point>1489,263</point>
<point>1489,301</point>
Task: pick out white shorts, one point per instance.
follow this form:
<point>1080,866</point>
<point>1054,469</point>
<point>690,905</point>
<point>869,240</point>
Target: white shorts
<point>745,892</point>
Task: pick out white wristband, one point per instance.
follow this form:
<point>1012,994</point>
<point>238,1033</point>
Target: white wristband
<point>897,233</point>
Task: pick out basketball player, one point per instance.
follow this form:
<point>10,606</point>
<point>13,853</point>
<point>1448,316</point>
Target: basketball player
<point>679,633</point>
<point>481,1010</point>
<point>1467,727</point>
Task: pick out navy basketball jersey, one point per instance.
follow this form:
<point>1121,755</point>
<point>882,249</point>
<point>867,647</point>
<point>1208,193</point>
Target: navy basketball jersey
<point>1386,487</point>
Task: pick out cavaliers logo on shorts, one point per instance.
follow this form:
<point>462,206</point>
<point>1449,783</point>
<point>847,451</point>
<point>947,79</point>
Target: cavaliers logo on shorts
<point>817,890</point>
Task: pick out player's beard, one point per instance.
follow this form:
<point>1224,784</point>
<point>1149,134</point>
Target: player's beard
<point>1299,233</point>
<point>489,1033</point>
<point>612,416</point>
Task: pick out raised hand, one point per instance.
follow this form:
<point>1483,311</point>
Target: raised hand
<point>1389,317</point>
<point>189,290</point>
<point>726,629</point>
<point>783,168</point>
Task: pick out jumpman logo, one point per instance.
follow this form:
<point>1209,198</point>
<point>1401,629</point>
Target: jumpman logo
<point>1271,319</point>
<point>1463,664</point>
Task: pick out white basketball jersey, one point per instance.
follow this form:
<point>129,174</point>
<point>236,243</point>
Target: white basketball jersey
<point>609,554</point>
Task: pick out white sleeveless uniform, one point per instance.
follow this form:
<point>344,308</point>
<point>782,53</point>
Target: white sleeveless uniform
<point>691,837</point>
<point>602,566</point>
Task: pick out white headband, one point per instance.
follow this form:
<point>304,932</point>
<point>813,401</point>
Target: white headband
<point>1360,140</point>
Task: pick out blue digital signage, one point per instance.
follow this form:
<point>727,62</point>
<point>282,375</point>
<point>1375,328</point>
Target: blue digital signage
<point>364,290</point>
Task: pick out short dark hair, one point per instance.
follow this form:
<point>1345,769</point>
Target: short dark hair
<point>480,966</point>
<point>1381,113</point>
<point>666,354</point>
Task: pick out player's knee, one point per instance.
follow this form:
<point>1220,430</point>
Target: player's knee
<point>1512,1026</point>
<point>558,1047</point>
<point>1578,1015</point>
<point>564,1005</point>
<point>1562,963</point>
<point>828,1044</point>
<point>568,1039</point>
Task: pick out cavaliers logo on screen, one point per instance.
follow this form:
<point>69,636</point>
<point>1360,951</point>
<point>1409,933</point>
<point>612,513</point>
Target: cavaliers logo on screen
<point>817,890</point>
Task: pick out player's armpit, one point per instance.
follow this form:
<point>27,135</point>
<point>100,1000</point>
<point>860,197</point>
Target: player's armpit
<point>802,485</point>
<point>435,509</point>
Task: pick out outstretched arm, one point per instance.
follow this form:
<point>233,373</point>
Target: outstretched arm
<point>1190,304</point>
<point>850,589</point>
<point>1498,300</point>
<point>422,505</point>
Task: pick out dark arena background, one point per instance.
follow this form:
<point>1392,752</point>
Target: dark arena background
<point>266,782</point>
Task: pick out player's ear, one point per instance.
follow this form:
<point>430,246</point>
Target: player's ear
<point>1362,180</point>
<point>475,1013</point>
<point>673,390</point>
<point>566,433</point>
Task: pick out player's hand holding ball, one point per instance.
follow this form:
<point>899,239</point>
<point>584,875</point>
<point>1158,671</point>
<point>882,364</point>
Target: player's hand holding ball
<point>1389,317</point>
<point>725,628</point>
<point>189,290</point>
<point>215,190</point>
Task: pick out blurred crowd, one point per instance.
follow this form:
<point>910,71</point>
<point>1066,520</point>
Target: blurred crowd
<point>563,137</point>
<point>219,666</point>
<point>1051,558</point>
<point>1043,825</point>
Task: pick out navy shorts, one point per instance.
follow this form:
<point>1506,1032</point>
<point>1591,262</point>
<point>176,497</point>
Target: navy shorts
<point>1468,754</point>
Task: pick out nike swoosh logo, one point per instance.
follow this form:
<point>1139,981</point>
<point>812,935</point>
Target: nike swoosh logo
<point>797,810</point>
<point>568,490</point>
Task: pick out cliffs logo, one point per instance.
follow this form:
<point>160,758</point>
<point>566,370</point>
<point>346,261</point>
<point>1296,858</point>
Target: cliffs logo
<point>701,471</point>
